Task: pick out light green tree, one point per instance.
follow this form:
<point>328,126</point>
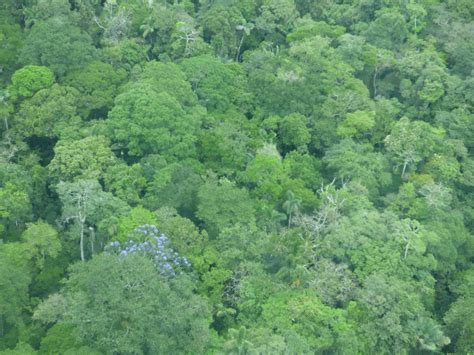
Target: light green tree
<point>30,79</point>
<point>87,158</point>
<point>42,241</point>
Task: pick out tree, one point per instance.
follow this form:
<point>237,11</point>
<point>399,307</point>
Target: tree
<point>121,304</point>
<point>60,340</point>
<point>423,77</point>
<point>98,84</point>
<point>349,160</point>
<point>388,30</point>
<point>176,186</point>
<point>83,204</point>
<point>15,277</point>
<point>291,205</point>
<point>225,147</point>
<point>392,314</point>
<point>218,85</point>
<point>30,79</point>
<point>169,78</point>
<point>357,124</point>
<point>20,349</point>
<point>222,205</point>
<point>294,133</point>
<point>460,314</point>
<point>276,19</point>
<point>187,32</point>
<point>114,22</point>
<point>42,10</point>
<point>50,113</point>
<point>11,40</point>
<point>20,190</point>
<point>184,235</point>
<point>305,167</point>
<point>15,205</point>
<point>305,27</point>
<point>42,241</point>
<point>264,175</point>
<point>58,44</point>
<point>300,314</point>
<point>87,158</point>
<point>127,223</point>
<point>222,29</point>
<point>236,176</point>
<point>333,282</point>
<point>145,121</point>
<point>411,142</point>
<point>125,182</point>
<point>238,342</point>
<point>409,231</point>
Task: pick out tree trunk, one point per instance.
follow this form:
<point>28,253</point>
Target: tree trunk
<point>240,47</point>
<point>374,79</point>
<point>92,240</point>
<point>404,168</point>
<point>82,241</point>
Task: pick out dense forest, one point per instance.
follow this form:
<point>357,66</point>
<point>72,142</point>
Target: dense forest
<point>236,177</point>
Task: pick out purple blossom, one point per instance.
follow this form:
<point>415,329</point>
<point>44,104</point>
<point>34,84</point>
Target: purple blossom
<point>156,246</point>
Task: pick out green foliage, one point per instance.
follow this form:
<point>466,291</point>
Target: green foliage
<point>460,315</point>
<point>264,174</point>
<point>15,278</point>
<point>20,349</point>
<point>354,161</point>
<point>222,205</point>
<point>11,36</point>
<point>294,133</point>
<point>221,29</point>
<point>133,308</point>
<point>217,85</point>
<point>125,182</point>
<point>84,205</point>
<point>311,160</point>
<point>58,44</point>
<point>305,27</point>
<point>15,205</point>
<point>394,313</point>
<point>314,324</point>
<point>357,123</point>
<point>42,241</point>
<point>388,30</point>
<point>50,113</point>
<point>88,158</point>
<point>176,186</point>
<point>98,84</point>
<point>59,339</point>
<point>411,142</point>
<point>42,10</point>
<point>225,148</point>
<point>128,223</point>
<point>146,121</point>
<point>168,78</point>
<point>30,79</point>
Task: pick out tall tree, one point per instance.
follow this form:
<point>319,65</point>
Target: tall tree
<point>121,304</point>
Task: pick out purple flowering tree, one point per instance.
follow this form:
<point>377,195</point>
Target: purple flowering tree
<point>150,242</point>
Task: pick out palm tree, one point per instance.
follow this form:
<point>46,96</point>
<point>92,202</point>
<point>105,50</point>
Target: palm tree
<point>238,343</point>
<point>291,205</point>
